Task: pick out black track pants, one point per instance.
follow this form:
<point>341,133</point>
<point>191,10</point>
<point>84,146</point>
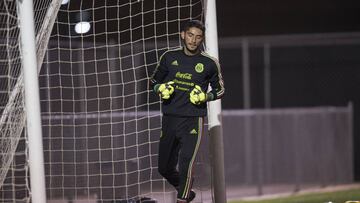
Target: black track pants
<point>179,142</point>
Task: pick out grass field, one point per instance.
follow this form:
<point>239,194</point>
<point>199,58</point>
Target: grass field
<point>325,197</point>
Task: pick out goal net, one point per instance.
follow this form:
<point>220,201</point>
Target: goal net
<point>101,123</point>
<point>14,185</point>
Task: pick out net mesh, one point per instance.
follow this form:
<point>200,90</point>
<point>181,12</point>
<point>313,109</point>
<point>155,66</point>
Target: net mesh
<point>13,151</point>
<point>101,123</point>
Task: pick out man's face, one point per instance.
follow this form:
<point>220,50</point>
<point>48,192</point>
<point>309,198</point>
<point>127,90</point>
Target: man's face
<point>192,38</point>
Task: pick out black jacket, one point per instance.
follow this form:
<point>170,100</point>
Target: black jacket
<point>187,71</point>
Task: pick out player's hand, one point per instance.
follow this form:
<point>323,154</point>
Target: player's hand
<point>197,96</point>
<point>165,90</point>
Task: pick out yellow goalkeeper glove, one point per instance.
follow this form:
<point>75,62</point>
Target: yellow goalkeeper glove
<point>197,96</point>
<point>165,90</point>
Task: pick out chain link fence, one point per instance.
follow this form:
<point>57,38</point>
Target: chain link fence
<point>309,70</point>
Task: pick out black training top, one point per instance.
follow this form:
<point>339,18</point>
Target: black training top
<point>186,72</point>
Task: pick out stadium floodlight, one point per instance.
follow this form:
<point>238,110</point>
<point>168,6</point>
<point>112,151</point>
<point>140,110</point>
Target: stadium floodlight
<point>82,27</point>
<point>63,2</point>
<point>82,22</point>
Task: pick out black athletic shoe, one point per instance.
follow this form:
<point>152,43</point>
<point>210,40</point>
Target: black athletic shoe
<point>181,201</point>
<point>192,196</point>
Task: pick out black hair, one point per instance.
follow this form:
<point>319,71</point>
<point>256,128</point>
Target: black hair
<point>194,23</point>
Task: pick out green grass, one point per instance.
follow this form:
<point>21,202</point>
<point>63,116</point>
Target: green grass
<point>335,197</point>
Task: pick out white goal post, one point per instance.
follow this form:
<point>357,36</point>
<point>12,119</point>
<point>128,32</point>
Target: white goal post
<point>32,100</point>
<point>100,121</point>
<point>14,184</point>
<point>214,118</point>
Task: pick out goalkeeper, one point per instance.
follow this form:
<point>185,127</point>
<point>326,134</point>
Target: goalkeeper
<point>181,79</point>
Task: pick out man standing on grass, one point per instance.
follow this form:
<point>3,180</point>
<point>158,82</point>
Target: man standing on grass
<point>181,78</point>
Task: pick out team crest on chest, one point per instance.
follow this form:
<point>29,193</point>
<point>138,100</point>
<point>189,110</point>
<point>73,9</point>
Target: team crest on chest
<point>199,68</point>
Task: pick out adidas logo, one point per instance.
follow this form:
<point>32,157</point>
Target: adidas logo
<point>174,63</point>
<point>193,131</point>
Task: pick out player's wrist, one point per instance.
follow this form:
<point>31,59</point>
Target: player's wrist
<point>210,96</point>
<point>156,88</point>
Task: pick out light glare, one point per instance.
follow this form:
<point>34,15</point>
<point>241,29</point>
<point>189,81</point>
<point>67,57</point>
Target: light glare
<point>82,27</point>
<point>63,2</point>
